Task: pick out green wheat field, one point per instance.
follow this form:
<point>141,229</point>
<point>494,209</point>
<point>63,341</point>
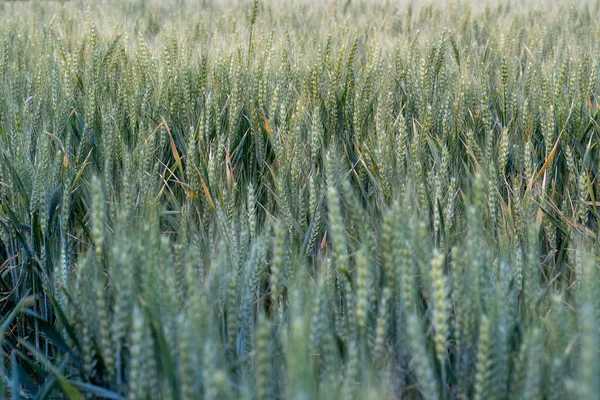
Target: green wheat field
<point>303,199</point>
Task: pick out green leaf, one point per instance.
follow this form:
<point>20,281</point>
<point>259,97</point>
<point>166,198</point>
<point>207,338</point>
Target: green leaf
<point>49,383</point>
<point>15,382</point>
<point>64,320</point>
<point>165,360</point>
<point>97,391</point>
<point>67,388</point>
<point>5,323</point>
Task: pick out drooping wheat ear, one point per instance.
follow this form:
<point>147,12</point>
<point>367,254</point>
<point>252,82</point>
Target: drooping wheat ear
<point>570,160</point>
<point>519,268</point>
<point>440,306</point>
<point>88,353</point>
<point>587,382</point>
<point>336,225</point>
<point>533,378</point>
<point>520,369</point>
<point>484,360</point>
<point>316,137</point>
<point>319,318</point>
<point>504,79</point>
<point>277,265</point>
<point>561,79</point>
<point>401,147</point>
<point>592,82</point>
<point>97,216</point>
<point>315,212</point>
<point>473,146</point>
<point>492,201</point>
<point>403,256</point>
<point>232,312</point>
<point>528,161</point>
<point>382,323</point>
<point>420,363</point>
<point>188,351</point>
<point>388,251</point>
<point>363,281</point>
<point>62,272</point>
<point>351,372</point>
<point>136,387</point>
<point>504,150</point>
<point>122,276</point>
<point>450,205</point>
<point>104,317</point>
<point>215,382</point>
<point>263,358</point>
<point>582,185</point>
<point>251,210</point>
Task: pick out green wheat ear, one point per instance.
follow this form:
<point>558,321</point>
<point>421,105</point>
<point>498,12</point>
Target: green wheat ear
<point>440,307</point>
<point>484,361</point>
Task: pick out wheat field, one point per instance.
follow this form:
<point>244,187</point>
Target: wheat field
<point>268,199</point>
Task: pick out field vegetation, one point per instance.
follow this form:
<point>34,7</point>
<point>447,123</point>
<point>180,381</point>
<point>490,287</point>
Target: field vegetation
<point>300,200</point>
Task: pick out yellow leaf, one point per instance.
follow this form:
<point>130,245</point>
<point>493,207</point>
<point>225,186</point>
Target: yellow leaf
<point>267,125</point>
<point>173,148</point>
<point>207,193</point>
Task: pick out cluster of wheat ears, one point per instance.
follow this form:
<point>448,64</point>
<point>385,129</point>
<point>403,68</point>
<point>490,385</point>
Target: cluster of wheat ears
<point>299,200</point>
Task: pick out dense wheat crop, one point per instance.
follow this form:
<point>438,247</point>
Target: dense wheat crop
<point>301,200</point>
